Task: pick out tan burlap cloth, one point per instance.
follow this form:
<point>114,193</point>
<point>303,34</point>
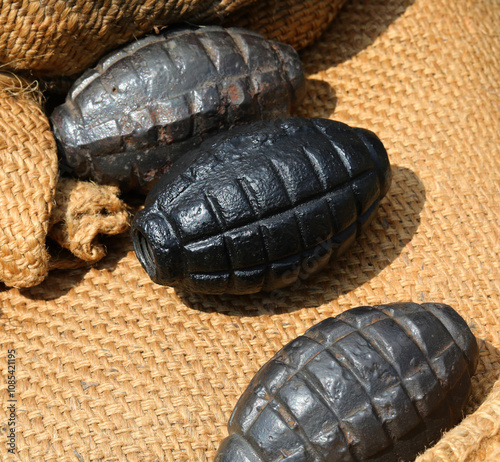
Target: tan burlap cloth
<point>35,204</point>
<point>55,37</point>
<point>28,177</point>
<point>111,367</point>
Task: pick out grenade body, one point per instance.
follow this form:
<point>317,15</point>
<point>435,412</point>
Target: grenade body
<point>372,384</point>
<point>254,208</point>
<point>127,120</point>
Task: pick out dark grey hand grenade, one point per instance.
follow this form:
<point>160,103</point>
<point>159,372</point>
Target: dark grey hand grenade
<point>252,208</point>
<point>125,121</point>
<point>373,384</point>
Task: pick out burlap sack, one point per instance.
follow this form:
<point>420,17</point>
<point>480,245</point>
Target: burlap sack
<point>34,203</point>
<point>112,367</point>
<point>28,175</point>
<point>54,38</point>
<point>289,21</point>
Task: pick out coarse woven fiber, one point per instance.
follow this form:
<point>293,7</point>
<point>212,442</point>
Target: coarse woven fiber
<point>28,175</point>
<point>296,23</point>
<point>111,367</point>
<point>56,37</point>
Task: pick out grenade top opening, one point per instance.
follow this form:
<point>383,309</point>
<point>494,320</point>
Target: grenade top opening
<point>156,247</point>
<point>145,253</point>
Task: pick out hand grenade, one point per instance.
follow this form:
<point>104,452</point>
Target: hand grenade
<point>127,120</point>
<point>254,208</point>
<point>372,384</point>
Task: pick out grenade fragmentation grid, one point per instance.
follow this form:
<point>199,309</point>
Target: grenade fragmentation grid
<point>372,384</point>
<point>127,120</point>
<point>254,207</point>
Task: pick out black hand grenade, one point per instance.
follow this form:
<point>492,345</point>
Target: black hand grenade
<point>253,208</point>
<point>373,384</point>
<point>125,121</point>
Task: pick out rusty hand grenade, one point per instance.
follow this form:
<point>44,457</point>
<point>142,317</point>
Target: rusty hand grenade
<point>127,120</point>
<point>372,384</point>
<point>253,208</point>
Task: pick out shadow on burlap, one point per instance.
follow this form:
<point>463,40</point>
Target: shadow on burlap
<point>393,228</point>
<point>112,367</point>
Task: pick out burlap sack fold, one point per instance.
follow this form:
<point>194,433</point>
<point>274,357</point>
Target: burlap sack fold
<point>64,38</point>
<point>55,38</point>
<point>28,175</point>
<point>33,201</point>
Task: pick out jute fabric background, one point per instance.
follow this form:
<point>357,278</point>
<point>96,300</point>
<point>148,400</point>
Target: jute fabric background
<point>111,367</point>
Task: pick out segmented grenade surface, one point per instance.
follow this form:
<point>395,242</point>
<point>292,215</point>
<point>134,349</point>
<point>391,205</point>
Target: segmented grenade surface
<point>374,383</point>
<point>125,121</point>
<point>254,207</point>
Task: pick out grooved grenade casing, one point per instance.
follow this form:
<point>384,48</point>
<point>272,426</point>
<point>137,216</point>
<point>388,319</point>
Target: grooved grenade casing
<point>127,120</point>
<point>253,208</point>
<point>373,384</point>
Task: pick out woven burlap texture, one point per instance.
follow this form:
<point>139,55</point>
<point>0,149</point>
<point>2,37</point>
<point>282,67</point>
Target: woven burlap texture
<point>54,37</point>
<point>289,21</point>
<point>63,38</point>
<point>112,367</point>
<point>28,175</point>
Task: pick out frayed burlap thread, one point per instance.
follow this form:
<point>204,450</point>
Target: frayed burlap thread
<point>83,211</point>
<point>33,201</point>
<point>112,367</point>
<point>28,175</point>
